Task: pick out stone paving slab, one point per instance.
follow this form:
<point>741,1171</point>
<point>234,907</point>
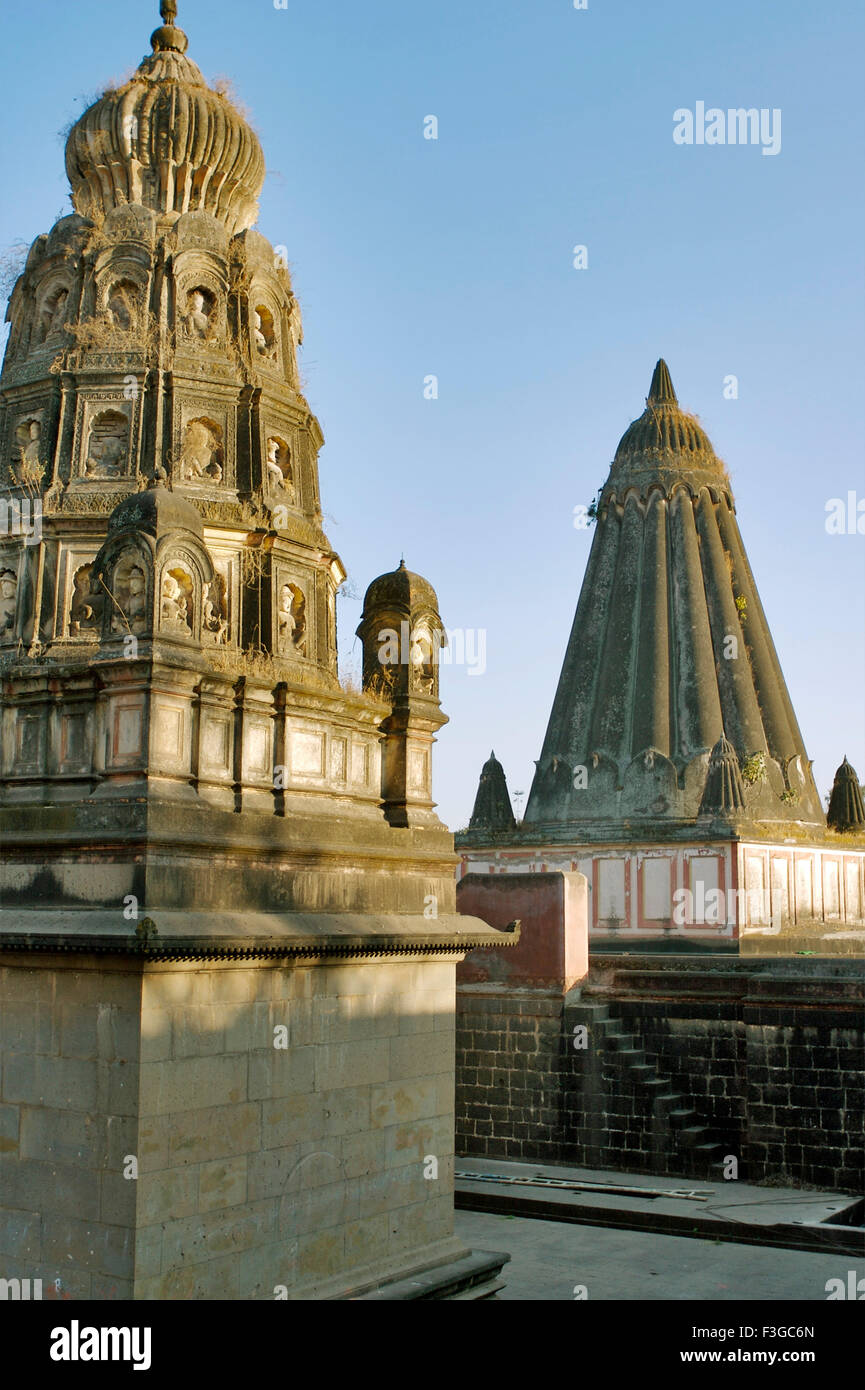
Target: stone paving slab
<point>730,1211</point>
<point>556,1262</point>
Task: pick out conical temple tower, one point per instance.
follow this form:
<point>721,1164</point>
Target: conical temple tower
<point>672,723</point>
<point>492,809</point>
<point>211,851</point>
<point>670,648</point>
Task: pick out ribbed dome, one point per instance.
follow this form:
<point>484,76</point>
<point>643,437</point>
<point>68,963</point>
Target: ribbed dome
<point>402,588</point>
<point>664,437</point>
<point>167,141</point>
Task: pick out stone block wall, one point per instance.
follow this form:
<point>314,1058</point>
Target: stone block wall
<point>683,1065</point>
<point>511,1073</point>
<point>262,1170</point>
<point>69,1050</point>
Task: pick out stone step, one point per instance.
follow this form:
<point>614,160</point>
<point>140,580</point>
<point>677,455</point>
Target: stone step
<point>692,1137</point>
<point>631,1056</point>
<point>587,1013</point>
<point>681,1117</point>
<point>641,1071</point>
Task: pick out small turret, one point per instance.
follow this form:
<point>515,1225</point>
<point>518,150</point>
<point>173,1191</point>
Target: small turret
<point>724,793</point>
<point>845,804</point>
<point>402,633</point>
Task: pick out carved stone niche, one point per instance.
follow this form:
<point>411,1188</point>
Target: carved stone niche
<point>8,604</point>
<point>125,568</point>
<point>215,619</point>
<point>54,302</point>
<point>202,453</point>
<point>265,341</point>
<point>423,662</point>
<point>279,468</point>
<point>28,454</point>
<point>107,445</point>
<point>123,304</point>
<point>197,317</point>
<point>291,619</point>
<point>86,604</point>
<point>185,581</point>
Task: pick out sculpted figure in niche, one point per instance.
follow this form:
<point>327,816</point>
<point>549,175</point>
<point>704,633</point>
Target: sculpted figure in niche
<point>197,320</point>
<point>201,459</point>
<point>130,598</point>
<point>263,334</point>
<point>291,631</point>
<point>279,466</point>
<point>422,665</point>
<point>215,616</point>
<point>107,450</point>
<point>8,591</point>
<point>123,304</point>
<point>85,610</point>
<point>30,444</point>
<point>54,313</point>
<point>174,611</point>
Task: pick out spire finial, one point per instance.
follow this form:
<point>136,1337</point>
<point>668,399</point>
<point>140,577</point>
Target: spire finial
<point>169,37</point>
<point>661,390</point>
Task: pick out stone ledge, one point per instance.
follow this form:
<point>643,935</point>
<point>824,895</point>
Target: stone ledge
<point>207,935</point>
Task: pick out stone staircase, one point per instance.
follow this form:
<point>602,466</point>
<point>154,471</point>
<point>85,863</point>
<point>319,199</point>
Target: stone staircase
<point>691,1148</point>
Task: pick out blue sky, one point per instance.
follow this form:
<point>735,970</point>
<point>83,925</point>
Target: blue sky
<point>454,257</point>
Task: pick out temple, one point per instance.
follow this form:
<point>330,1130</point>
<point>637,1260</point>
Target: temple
<point>224,886</point>
<point>673,773</point>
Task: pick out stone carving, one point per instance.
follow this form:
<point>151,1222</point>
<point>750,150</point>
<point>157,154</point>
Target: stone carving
<point>201,458</point>
<point>215,623</point>
<point>130,595</point>
<point>422,662</point>
<point>123,304</point>
<point>175,602</point>
<point>29,437</point>
<point>54,313</point>
<point>8,595</point>
<point>291,631</point>
<point>263,332</point>
<point>85,610</point>
<point>197,320</point>
<point>108,445</point>
<point>279,472</point>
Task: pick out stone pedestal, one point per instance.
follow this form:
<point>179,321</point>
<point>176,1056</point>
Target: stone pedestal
<point>234,1117</point>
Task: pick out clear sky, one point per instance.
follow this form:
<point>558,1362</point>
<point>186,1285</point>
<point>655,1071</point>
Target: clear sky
<point>454,257</point>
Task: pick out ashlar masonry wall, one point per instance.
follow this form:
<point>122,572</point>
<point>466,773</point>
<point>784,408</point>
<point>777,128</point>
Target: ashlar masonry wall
<point>263,1170</point>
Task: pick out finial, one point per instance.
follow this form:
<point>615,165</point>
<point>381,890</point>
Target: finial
<point>169,37</point>
<point>661,390</point>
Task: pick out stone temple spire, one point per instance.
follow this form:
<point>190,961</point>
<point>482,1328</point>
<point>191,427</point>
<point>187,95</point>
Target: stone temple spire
<point>670,650</point>
<point>492,810</point>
